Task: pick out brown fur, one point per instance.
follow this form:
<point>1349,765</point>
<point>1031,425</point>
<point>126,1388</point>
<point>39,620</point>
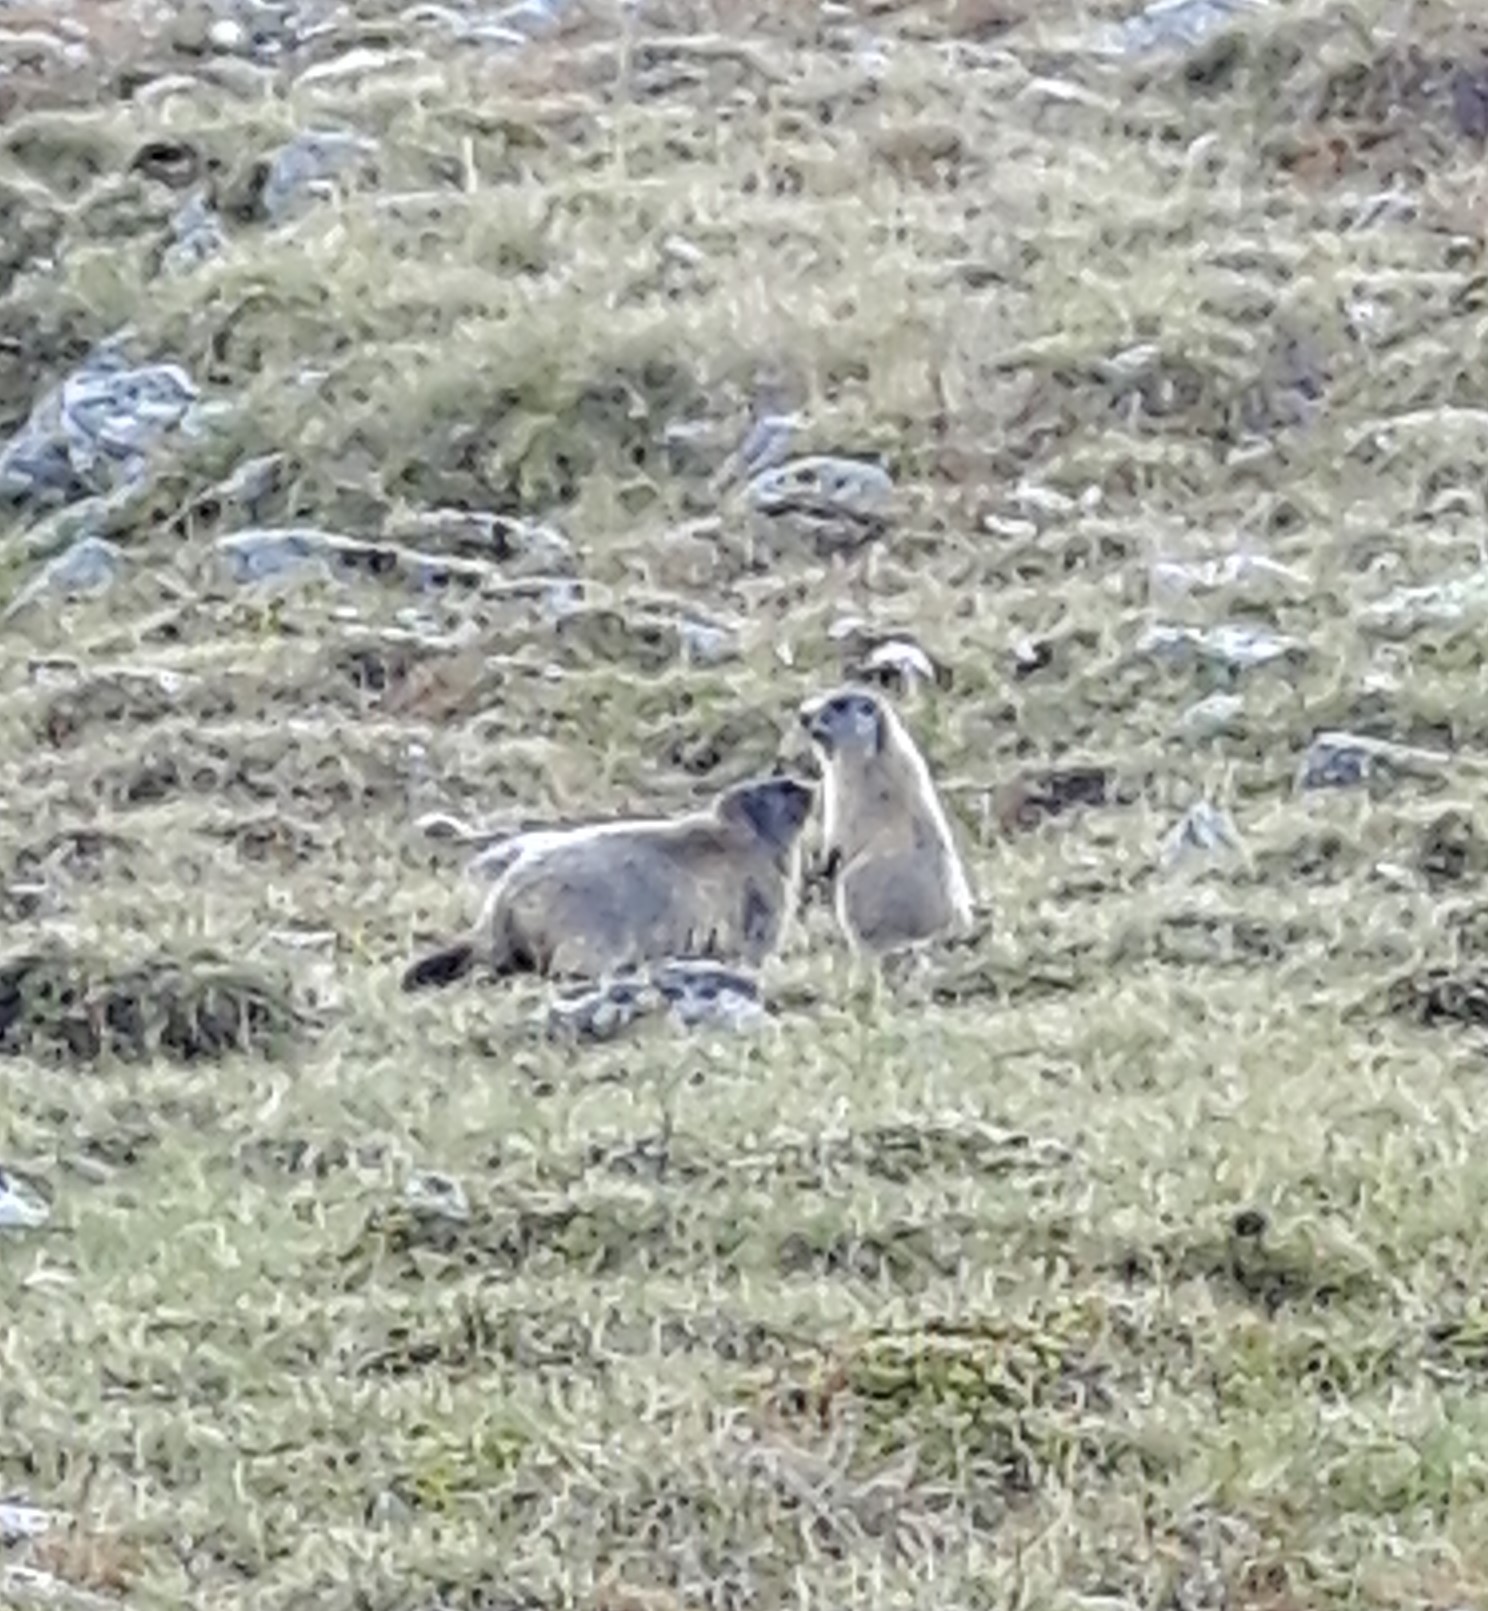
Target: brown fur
<point>718,883</point>
<point>886,838</point>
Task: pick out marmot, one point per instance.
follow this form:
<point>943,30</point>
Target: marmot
<point>717,883</point>
<point>886,841</point>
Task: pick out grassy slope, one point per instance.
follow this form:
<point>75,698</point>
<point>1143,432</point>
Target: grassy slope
<point>781,1319</point>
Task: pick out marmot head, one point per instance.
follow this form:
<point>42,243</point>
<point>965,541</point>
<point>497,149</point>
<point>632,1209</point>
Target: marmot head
<point>774,809</point>
<point>847,720</point>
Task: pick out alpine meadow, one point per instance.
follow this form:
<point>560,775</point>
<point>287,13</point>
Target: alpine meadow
<point>423,423</point>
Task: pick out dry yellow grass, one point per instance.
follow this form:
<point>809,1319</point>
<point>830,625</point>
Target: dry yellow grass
<point>1132,1258</point>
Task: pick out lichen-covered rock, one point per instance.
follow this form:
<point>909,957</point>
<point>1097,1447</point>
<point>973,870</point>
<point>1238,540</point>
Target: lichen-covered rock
<point>90,565</point>
<point>822,484</point>
<point>95,431</point>
<point>306,168</point>
<point>693,994</point>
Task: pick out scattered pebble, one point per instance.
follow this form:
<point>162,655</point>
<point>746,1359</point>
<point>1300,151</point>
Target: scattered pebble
<point>534,19</point>
<point>1220,713</point>
<point>21,1208</point>
<point>356,66</point>
<point>901,660</point>
<point>1203,830</point>
<point>303,939</point>
<point>1035,500</point>
<point>482,27</point>
<point>1240,648</point>
<point>442,825</point>
<point>563,599</point>
<point>227,34</point>
<point>438,1195</point>
<point>823,485</point>
<point>1174,23</point>
<point>19,1521</point>
<point>706,644</point>
<point>1031,655</point>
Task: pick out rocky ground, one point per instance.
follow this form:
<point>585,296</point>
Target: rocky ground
<point>509,414</point>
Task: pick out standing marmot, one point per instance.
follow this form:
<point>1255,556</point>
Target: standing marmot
<point>717,883</point>
<point>885,836</point>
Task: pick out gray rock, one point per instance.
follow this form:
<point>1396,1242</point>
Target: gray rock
<point>693,994</point>
<point>90,565</point>
<point>94,431</point>
<point>306,168</point>
<point>249,486</point>
<point>264,553</point>
<point>900,660</point>
<point>709,993</point>
<point>1177,23</point>
<point>1252,575</point>
<point>1237,647</point>
<point>21,1209</point>
<point>563,599</point>
<point>356,66</point>
<point>519,545</point>
<point>437,1196</point>
<point>444,825</point>
<point>1434,604</point>
<point>197,237</point>
<point>1336,760</point>
<point>1210,718</point>
<point>768,441</point>
<point>1204,830</point>
<point>259,554</point>
<point>691,446</point>
<point>533,19</point>
<point>29,1586</point>
<point>19,1521</point>
<point>824,485</point>
<point>704,643</point>
<point>483,27</point>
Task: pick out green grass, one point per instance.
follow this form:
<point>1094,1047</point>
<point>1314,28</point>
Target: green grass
<point>1131,1258</point>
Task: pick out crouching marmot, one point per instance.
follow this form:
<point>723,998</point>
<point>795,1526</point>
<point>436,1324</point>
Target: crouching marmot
<point>718,883</point>
<point>885,837</point>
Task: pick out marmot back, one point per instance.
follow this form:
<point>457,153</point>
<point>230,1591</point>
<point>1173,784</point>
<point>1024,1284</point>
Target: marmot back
<point>584,901</point>
<point>898,874</point>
